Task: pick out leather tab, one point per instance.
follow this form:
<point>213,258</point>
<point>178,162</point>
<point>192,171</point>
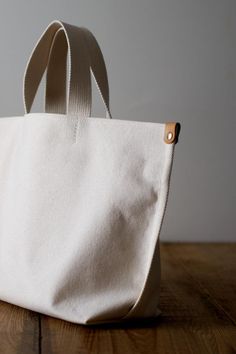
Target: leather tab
<point>171,133</point>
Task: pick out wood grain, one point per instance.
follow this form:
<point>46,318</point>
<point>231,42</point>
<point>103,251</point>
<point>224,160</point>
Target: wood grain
<point>214,268</point>
<point>19,330</point>
<point>198,303</point>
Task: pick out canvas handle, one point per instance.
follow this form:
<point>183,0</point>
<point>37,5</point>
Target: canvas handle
<point>56,93</point>
<point>79,96</point>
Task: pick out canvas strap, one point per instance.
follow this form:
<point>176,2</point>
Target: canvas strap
<point>56,80</point>
<point>79,91</point>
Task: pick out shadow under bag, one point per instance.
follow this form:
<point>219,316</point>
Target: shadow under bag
<point>82,198</point>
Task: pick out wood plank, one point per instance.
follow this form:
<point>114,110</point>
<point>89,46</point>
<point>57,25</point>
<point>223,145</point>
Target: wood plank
<point>59,336</point>
<point>19,330</point>
<point>205,325</point>
<point>214,268</point>
<point>191,322</point>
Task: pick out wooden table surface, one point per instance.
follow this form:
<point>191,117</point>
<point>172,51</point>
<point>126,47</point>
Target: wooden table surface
<point>198,303</point>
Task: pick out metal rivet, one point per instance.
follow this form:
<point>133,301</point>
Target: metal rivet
<point>169,136</point>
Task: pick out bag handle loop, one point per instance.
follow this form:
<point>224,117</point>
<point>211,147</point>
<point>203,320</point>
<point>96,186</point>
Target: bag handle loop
<point>79,98</point>
<point>56,93</point>
<point>56,90</point>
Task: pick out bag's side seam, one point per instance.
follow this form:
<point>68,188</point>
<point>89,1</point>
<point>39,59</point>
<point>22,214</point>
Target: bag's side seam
<point>141,297</point>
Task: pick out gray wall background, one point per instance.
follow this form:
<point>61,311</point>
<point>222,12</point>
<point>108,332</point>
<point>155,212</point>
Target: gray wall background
<point>168,60</point>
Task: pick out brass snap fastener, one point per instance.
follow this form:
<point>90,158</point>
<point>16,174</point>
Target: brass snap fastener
<point>169,136</point>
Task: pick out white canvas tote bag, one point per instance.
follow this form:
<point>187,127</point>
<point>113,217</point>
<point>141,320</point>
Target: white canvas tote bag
<point>82,198</point>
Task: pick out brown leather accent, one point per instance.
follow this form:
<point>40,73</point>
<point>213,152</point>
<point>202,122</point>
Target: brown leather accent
<point>172,130</point>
